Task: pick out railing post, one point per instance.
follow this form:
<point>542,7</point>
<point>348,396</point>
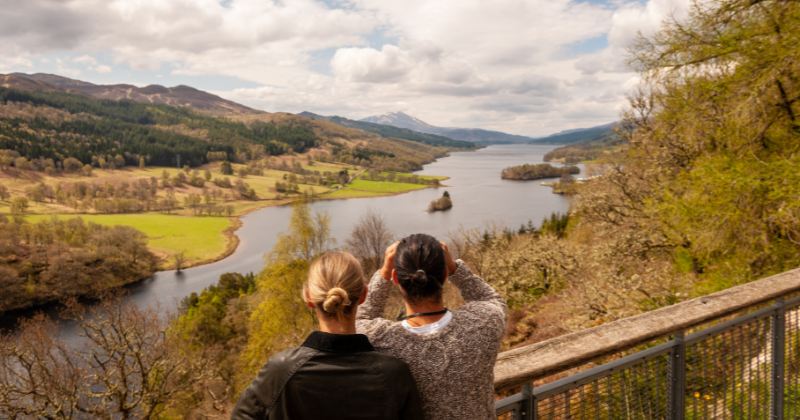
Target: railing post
<point>677,376</point>
<point>778,360</point>
<point>528,411</point>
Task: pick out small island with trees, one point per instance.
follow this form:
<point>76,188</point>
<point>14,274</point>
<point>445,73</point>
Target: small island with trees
<point>538,171</point>
<point>441,204</point>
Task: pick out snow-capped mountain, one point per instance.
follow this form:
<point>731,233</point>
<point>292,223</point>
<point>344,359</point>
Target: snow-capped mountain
<point>475,135</point>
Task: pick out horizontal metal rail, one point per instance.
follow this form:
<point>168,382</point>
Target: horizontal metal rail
<point>736,369</point>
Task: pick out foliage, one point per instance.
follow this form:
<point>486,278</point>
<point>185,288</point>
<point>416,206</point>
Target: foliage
<point>280,318</point>
<point>74,126</point>
<point>54,259</point>
<point>129,368</point>
<point>443,203</point>
<point>537,171</point>
<point>369,239</point>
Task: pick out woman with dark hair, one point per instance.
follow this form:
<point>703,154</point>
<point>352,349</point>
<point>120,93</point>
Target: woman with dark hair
<point>451,353</point>
<point>336,373</point>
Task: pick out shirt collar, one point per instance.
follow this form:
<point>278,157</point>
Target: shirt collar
<point>338,343</point>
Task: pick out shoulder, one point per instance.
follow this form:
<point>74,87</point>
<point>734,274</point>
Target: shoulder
<point>289,359</point>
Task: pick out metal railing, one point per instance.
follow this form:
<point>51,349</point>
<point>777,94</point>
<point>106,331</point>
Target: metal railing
<point>745,368</point>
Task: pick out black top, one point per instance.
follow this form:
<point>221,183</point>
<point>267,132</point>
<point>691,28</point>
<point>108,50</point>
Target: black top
<point>331,376</point>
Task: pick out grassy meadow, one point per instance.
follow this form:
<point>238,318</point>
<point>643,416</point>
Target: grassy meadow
<point>203,239</point>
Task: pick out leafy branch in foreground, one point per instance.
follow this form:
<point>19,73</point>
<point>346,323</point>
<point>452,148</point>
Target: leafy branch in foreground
<point>126,366</point>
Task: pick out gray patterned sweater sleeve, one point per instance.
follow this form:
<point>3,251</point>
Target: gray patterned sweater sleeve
<point>377,296</point>
<point>454,367</point>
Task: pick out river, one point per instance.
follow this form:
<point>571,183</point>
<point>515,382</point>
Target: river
<point>478,194</point>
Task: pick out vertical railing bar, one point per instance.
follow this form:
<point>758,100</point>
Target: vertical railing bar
<point>528,410</point>
<point>677,368</point>
<point>778,359</point>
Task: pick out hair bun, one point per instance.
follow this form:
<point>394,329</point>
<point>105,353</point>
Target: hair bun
<point>419,277</point>
<point>336,301</point>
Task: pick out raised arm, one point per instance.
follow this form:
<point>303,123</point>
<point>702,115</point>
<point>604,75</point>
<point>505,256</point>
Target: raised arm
<point>379,288</point>
<point>471,287</point>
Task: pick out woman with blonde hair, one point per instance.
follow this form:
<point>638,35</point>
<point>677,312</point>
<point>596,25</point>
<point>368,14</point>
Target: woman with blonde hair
<point>335,373</point>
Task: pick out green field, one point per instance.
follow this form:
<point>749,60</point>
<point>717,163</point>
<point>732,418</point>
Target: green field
<point>202,238</point>
<point>378,186</point>
<point>351,193</point>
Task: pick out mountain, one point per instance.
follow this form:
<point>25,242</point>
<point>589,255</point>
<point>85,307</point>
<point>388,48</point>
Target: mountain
<point>44,122</point>
<point>392,131</point>
<point>180,96</point>
<point>403,120</point>
<point>31,85</point>
<point>474,135</point>
<point>578,135</point>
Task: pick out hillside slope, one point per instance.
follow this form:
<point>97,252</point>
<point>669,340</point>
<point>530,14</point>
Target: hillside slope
<point>392,131</point>
<point>180,96</point>
<point>474,135</point>
<point>579,135</point>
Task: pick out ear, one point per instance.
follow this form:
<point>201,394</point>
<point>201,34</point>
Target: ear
<point>363,297</point>
<point>394,278</point>
<point>308,301</point>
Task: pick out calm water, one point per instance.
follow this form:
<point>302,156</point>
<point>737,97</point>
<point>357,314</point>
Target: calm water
<point>478,194</point>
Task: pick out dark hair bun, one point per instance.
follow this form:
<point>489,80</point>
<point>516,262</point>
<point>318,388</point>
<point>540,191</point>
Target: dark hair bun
<point>419,277</point>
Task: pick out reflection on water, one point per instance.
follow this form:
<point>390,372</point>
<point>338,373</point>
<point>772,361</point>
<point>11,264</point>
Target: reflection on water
<point>478,194</point>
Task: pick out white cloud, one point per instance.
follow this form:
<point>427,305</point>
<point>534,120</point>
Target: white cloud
<point>101,69</point>
<point>85,59</point>
<point>63,69</point>
<point>498,65</point>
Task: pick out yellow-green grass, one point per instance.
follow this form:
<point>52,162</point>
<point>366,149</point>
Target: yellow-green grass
<point>351,193</point>
<point>202,238</point>
<point>380,186</point>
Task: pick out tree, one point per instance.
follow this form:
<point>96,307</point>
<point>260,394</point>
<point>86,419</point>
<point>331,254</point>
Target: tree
<point>207,175</point>
<point>226,168</point>
<point>87,170</point>
<point>141,163</point>
<point>71,164</point>
<point>19,205</point>
<point>119,161</point>
<point>281,318</point>
<point>179,260</point>
<point>4,192</point>
<point>369,239</point>
<point>129,368</point>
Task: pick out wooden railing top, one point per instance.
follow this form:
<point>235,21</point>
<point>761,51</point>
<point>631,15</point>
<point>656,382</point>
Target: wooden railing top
<point>526,364</point>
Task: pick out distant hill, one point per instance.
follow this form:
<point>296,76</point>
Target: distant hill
<point>31,85</point>
<point>594,143</point>
<point>474,135</point>
<point>180,96</point>
<point>392,131</point>
<point>577,135</point>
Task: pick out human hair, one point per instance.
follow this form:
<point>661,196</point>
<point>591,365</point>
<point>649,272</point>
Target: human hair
<point>421,268</point>
<point>335,284</point>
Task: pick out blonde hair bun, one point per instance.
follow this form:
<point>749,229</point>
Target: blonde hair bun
<point>335,284</point>
<point>336,300</point>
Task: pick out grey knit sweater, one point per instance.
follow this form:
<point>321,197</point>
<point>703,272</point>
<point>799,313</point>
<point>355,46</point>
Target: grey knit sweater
<point>454,367</point>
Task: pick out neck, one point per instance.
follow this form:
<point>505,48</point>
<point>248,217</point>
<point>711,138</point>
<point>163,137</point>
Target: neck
<point>334,326</point>
<point>424,307</point>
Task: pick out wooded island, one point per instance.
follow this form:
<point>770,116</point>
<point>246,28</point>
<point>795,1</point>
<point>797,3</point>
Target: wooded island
<point>542,170</point>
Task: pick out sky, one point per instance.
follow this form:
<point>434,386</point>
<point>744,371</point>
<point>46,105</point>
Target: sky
<point>527,67</point>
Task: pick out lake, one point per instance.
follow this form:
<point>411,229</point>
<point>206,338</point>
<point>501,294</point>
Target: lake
<point>479,195</point>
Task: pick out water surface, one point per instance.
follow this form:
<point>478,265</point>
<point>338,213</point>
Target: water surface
<point>479,195</point>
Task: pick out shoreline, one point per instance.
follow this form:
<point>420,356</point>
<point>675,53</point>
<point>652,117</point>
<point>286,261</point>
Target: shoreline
<point>231,246</point>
